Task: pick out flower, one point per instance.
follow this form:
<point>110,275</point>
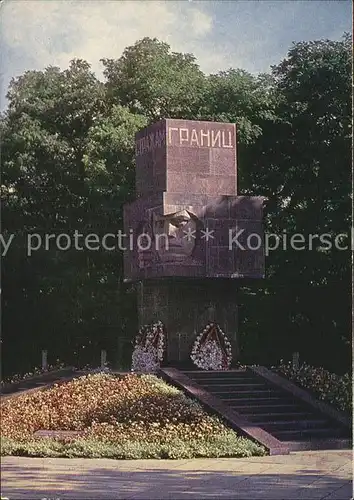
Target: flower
<point>212,353</point>
<point>209,356</point>
<point>149,348</point>
<point>144,360</point>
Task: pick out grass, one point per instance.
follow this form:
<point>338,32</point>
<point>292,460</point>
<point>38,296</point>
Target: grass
<point>126,417</point>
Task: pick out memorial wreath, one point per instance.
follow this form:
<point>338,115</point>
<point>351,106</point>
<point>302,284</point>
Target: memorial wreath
<point>212,349</point>
<point>149,348</point>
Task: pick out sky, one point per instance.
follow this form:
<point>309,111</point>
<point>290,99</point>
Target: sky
<point>247,34</point>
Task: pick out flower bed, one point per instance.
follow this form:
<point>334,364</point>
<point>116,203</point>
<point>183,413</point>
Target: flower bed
<point>329,387</point>
<point>120,417</point>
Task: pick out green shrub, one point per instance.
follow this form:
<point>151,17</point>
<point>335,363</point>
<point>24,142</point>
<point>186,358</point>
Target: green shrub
<point>326,386</point>
<point>227,445</point>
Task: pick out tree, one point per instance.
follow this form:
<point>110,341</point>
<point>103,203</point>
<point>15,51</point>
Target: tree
<point>249,101</point>
<point>151,80</point>
<point>67,166</point>
<point>302,163</point>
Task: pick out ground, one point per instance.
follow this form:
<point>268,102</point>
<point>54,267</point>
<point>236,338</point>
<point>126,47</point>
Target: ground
<point>310,475</point>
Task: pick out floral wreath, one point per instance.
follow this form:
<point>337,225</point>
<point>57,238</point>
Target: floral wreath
<point>212,349</point>
<point>149,347</point>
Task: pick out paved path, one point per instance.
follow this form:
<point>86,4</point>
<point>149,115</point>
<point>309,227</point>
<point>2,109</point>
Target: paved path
<point>299,476</point>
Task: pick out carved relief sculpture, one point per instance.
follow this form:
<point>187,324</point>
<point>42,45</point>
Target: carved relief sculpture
<point>186,217</point>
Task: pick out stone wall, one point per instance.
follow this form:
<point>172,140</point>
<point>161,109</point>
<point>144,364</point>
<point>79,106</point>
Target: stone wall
<point>185,307</point>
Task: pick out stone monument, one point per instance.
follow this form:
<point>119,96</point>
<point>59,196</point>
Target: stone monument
<point>192,239</point>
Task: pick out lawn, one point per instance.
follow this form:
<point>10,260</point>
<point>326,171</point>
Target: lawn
<point>125,417</point>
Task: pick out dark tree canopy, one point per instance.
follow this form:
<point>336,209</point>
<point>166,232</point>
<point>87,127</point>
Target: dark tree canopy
<point>68,164</point>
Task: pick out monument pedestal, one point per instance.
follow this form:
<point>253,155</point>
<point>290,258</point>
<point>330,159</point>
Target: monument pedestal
<point>191,237</point>
<point>186,306</point>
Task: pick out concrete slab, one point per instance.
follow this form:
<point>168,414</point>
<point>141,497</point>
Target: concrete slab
<point>311,475</point>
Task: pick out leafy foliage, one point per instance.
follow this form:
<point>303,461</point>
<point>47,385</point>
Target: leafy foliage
<point>150,80</point>
<point>301,162</point>
<point>140,411</point>
<point>224,446</point>
<point>67,166</point>
<point>329,387</point>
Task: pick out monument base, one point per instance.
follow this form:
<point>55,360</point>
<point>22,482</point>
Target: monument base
<point>186,306</point>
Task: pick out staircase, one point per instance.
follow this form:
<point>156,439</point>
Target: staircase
<point>296,424</point>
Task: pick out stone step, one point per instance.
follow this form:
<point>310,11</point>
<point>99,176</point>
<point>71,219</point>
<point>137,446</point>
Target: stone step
<point>272,425</point>
<point>319,444</point>
<point>233,393</point>
<point>230,383</point>
<point>271,416</point>
<point>221,376</point>
<point>243,402</point>
<point>307,434</point>
<point>227,380</point>
<point>205,373</point>
<point>274,409</point>
<point>226,376</point>
<point>289,419</point>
